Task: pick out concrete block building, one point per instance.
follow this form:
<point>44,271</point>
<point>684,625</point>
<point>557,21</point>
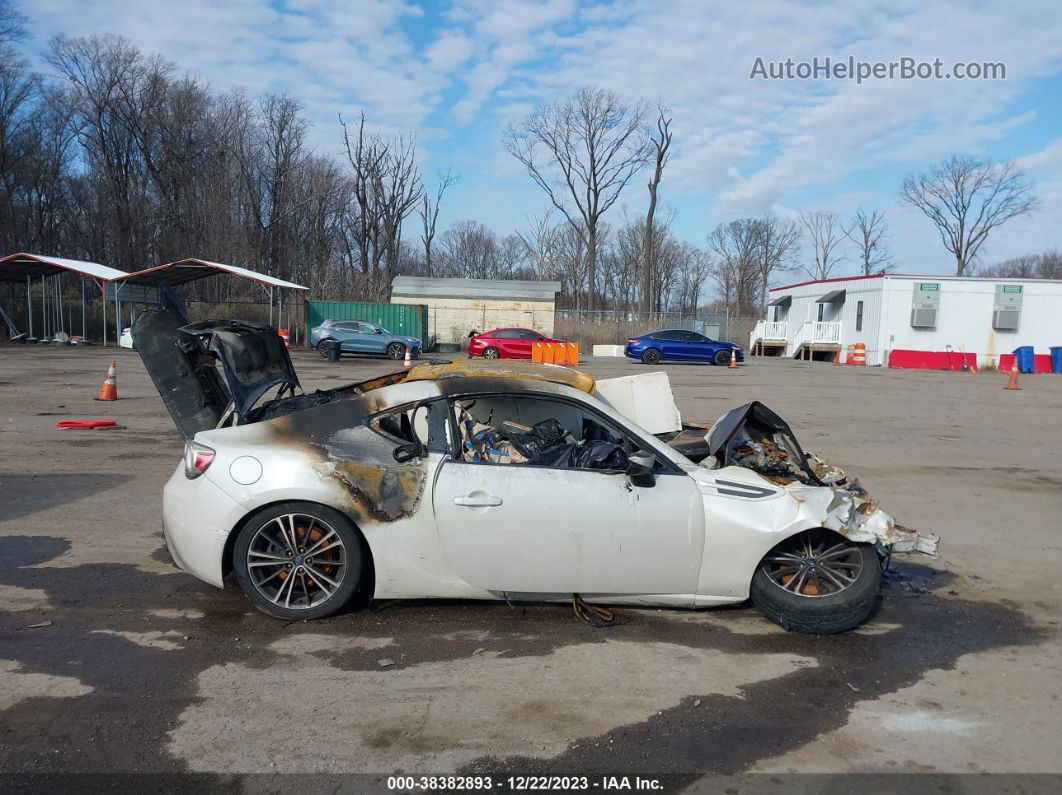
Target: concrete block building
<point>457,306</point>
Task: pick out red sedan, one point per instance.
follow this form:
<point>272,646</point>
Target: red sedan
<point>506,343</point>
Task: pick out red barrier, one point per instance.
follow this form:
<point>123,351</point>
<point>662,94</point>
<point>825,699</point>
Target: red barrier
<point>931,360</point>
<point>943,360</point>
<point>1041,362</point>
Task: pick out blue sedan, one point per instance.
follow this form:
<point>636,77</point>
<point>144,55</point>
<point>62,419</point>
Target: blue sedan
<point>360,336</point>
<point>679,345</point>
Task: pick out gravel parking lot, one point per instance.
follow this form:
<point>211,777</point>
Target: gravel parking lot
<point>112,661</point>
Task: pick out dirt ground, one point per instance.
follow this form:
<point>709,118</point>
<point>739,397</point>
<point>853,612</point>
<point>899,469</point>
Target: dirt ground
<point>111,661</point>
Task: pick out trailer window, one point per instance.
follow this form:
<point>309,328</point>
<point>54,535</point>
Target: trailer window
<point>859,315</point>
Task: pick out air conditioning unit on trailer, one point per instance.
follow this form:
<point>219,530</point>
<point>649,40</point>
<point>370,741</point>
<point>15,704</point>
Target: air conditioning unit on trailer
<point>924,304</point>
<point>1006,315</point>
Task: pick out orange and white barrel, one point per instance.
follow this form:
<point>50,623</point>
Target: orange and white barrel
<point>283,332</point>
<point>859,354</point>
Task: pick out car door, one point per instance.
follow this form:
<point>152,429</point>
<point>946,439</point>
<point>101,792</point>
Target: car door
<point>521,344</point>
<point>503,340</point>
<point>671,345</point>
<point>519,528</point>
<point>375,338</point>
<point>697,347</point>
<point>348,335</point>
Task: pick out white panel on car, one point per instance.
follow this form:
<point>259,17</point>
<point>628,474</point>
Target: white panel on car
<point>646,399</point>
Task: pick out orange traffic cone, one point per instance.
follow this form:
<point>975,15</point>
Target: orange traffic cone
<point>837,359</point>
<point>109,390</point>
<point>1012,382</point>
<point>407,362</point>
<point>733,358</point>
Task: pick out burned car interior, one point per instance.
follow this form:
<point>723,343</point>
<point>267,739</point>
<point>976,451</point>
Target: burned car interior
<point>506,429</point>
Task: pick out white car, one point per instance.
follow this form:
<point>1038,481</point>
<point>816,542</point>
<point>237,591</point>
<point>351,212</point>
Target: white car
<point>494,480</point>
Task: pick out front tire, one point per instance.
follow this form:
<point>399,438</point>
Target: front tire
<point>818,582</point>
<point>722,357</point>
<point>491,353</point>
<point>298,560</point>
<point>322,347</point>
<point>651,356</point>
<point>396,350</point>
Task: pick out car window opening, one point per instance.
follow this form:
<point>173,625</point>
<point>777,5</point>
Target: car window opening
<point>509,430</point>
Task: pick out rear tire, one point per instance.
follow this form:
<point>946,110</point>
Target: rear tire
<point>322,347</point>
<point>298,560</point>
<point>651,356</point>
<point>816,604</point>
<point>722,357</point>
<point>491,353</point>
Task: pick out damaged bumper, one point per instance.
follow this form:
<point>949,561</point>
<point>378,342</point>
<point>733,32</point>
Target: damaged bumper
<point>848,511</point>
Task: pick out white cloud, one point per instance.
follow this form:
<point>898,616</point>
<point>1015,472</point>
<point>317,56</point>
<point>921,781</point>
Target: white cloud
<point>459,75</point>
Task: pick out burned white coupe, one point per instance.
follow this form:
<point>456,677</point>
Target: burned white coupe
<point>498,480</point>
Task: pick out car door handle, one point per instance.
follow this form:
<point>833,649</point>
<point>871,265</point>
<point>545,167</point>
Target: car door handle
<point>478,501</point>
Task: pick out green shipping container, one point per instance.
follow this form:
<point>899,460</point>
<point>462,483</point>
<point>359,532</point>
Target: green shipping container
<point>409,320</point>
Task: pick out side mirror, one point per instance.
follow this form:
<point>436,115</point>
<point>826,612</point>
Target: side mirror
<point>640,463</point>
<point>407,452</point>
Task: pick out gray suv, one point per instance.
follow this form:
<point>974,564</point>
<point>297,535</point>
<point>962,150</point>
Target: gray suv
<point>360,336</point>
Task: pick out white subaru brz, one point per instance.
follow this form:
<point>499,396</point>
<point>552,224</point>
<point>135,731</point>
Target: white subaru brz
<point>496,480</point>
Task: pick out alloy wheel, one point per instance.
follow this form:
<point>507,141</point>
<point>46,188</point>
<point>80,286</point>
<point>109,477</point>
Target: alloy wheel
<point>296,561</point>
<point>814,563</point>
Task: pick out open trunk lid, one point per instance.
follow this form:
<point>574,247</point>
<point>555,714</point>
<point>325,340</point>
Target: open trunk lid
<point>182,362</point>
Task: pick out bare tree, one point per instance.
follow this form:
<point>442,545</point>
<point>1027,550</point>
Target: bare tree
<point>469,249</point>
<point>777,246</point>
<point>867,233</point>
<point>694,266</point>
<point>967,198</point>
<point>429,215</point>
<point>826,234</point>
<point>1047,265</point>
<point>540,245</point>
<point>12,23</point>
<point>386,188</point>
<point>660,142</point>
<point>582,151</point>
<point>736,268</point>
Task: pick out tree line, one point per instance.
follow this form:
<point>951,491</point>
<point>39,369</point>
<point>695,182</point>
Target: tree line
<point>120,158</point>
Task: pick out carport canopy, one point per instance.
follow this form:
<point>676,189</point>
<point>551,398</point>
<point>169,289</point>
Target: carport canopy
<point>192,269</point>
<point>783,302</point>
<point>832,297</point>
<point>16,267</point>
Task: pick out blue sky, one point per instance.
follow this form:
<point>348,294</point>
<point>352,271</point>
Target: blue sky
<point>456,73</point>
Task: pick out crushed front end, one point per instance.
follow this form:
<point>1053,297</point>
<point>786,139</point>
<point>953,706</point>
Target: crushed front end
<point>754,437</point>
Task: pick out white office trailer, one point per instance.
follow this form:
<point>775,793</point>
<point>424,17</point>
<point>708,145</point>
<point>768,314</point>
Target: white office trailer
<point>927,322</point>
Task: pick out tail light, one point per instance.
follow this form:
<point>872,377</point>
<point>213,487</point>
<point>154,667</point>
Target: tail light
<point>633,341</point>
<point>197,459</point>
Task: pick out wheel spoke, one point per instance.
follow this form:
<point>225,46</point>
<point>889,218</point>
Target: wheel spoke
<point>313,550</point>
<point>318,575</point>
<point>266,556</point>
<point>289,581</point>
<point>284,534</point>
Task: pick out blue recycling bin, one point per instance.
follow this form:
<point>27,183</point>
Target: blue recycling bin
<point>1026,359</point>
<point>1056,360</point>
